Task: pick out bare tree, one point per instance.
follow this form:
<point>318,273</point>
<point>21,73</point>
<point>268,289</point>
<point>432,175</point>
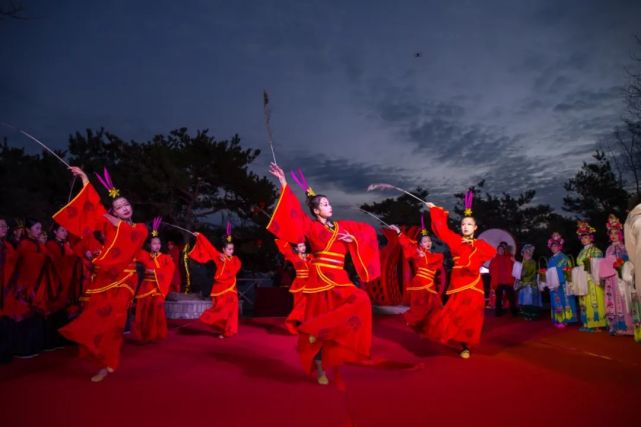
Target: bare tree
<point>624,143</point>
<point>633,89</point>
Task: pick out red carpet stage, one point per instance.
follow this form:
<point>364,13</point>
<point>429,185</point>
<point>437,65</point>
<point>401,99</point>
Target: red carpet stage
<point>524,373</point>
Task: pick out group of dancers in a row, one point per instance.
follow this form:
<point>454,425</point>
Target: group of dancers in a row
<point>331,316</point>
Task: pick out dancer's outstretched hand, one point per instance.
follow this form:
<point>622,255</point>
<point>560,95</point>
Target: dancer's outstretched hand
<point>430,205</point>
<point>345,237</point>
<point>76,171</point>
<point>395,228</point>
<point>278,172</point>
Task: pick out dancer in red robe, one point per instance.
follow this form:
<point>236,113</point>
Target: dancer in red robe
<point>461,319</point>
<point>175,252</point>
<point>337,326</point>
<point>7,264</point>
<point>150,323</point>
<point>30,287</point>
<point>425,300</point>
<point>301,261</point>
<point>99,327</point>
<point>68,267</point>
<point>222,317</point>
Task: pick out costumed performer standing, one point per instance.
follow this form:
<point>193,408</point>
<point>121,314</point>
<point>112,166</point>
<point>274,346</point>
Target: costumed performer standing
<point>593,302</point>
<point>563,305</point>
<point>150,323</point>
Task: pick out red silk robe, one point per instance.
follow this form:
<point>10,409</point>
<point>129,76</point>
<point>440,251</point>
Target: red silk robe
<point>68,267</point>
<point>33,284</point>
<point>461,319</point>
<point>223,314</point>
<point>7,264</point>
<point>337,313</point>
<point>87,249</point>
<point>150,323</point>
<point>425,300</point>
<point>99,327</point>
<point>176,282</point>
<point>302,265</point>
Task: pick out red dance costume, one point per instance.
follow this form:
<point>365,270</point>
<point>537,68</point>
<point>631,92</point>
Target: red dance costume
<point>461,319</point>
<point>33,284</point>
<point>223,314</point>
<point>302,264</point>
<point>425,300</point>
<point>7,264</point>
<point>176,282</point>
<point>150,323</point>
<point>68,266</point>
<point>99,327</point>
<point>337,313</point>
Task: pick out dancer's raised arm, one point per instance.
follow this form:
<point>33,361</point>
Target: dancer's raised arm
<point>278,172</point>
<point>76,171</point>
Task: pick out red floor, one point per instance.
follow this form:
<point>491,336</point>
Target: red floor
<point>524,373</point>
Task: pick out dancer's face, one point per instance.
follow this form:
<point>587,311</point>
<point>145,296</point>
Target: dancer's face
<point>426,243</point>
<point>61,234</point>
<point>34,231</point>
<point>468,226</point>
<point>324,209</point>
<point>301,248</point>
<point>586,239</point>
<point>122,208</point>
<point>555,248</point>
<point>228,250</point>
<point>527,255</point>
<point>614,236</point>
<point>155,244</point>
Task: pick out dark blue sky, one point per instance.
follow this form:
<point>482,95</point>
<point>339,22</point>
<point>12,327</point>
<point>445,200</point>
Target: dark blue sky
<point>517,92</point>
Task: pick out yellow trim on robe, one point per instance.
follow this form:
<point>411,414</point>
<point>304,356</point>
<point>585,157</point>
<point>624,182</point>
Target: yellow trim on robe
<point>471,286</point>
<point>469,259</point>
<point>282,193</point>
<point>232,288</point>
<point>117,284</point>
<point>102,255</point>
<point>358,252</point>
<point>71,201</point>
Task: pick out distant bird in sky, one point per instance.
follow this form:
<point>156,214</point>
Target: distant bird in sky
<point>418,54</point>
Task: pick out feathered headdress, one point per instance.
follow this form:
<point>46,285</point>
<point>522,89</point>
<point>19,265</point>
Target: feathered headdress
<point>228,232</point>
<point>583,228</point>
<point>106,182</point>
<point>423,229</point>
<point>299,178</point>
<point>614,223</point>
<point>555,238</point>
<point>469,197</point>
<point>155,226</point>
